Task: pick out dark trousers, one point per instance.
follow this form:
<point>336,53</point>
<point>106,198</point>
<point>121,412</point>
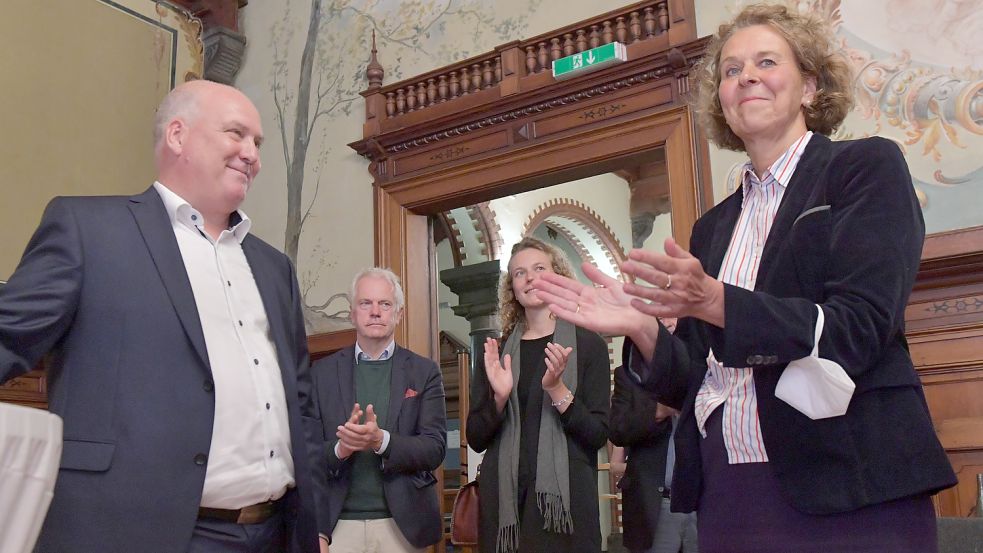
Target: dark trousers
<point>219,536</point>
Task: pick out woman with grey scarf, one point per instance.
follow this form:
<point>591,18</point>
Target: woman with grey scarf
<point>539,411</point>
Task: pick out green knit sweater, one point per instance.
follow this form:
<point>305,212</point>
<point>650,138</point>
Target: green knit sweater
<point>366,499</point>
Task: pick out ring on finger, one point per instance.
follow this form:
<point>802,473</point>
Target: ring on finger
<point>668,282</point>
<point>578,309</point>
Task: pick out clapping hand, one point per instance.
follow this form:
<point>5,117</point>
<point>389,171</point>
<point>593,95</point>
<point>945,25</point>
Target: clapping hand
<point>604,308</point>
<point>359,436</point>
<point>499,375</point>
<point>680,288</point>
<point>556,363</point>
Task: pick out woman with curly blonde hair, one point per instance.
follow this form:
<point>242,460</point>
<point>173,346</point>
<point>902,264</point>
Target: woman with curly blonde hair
<point>803,425</point>
<point>540,414</point>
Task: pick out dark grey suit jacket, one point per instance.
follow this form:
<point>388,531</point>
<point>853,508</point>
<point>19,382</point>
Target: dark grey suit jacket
<point>646,441</point>
<point>103,289</point>
<point>848,236</point>
<point>417,441</point>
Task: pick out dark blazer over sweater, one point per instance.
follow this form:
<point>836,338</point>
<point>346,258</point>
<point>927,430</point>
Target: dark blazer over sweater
<point>847,236</point>
<point>102,287</point>
<point>417,425</point>
<point>646,441</point>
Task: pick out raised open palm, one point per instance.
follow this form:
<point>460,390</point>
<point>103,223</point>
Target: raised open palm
<point>499,376</point>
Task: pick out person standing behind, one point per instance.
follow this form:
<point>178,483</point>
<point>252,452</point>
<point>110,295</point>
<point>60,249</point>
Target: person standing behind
<point>384,420</point>
<point>642,461</point>
<point>540,415</point>
<point>642,430</point>
<point>178,357</point>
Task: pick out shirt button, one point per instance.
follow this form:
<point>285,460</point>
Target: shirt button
<point>229,282</point>
<point>255,361</point>
<point>267,406</point>
<point>201,459</point>
<point>208,385</point>
<point>271,454</point>
<point>194,217</point>
<point>240,323</point>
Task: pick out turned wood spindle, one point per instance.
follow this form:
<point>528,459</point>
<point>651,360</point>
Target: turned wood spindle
<point>581,42</point>
<point>498,70</point>
<point>476,77</point>
<point>621,30</point>
<point>544,56</point>
<point>421,95</point>
<point>530,60</point>
<point>400,101</point>
<point>411,97</point>
<point>650,23</point>
<point>442,88</point>
<point>595,37</point>
<point>486,74</point>
<point>431,91</point>
<point>390,104</point>
<point>607,35</point>
<point>635,26</point>
<point>568,47</point>
<point>455,85</point>
<point>663,17</point>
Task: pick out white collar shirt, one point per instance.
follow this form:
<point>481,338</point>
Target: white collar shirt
<point>360,354</point>
<point>730,387</point>
<point>249,460</point>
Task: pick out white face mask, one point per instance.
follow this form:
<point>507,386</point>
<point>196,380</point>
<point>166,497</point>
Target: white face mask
<point>816,387</point>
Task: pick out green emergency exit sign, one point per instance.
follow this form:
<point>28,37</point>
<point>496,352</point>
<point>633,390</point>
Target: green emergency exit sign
<point>589,60</point>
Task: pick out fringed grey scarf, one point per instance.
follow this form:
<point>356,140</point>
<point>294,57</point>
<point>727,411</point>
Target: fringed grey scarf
<point>552,461</point>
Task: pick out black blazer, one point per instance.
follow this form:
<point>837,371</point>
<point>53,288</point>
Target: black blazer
<point>103,288</point>
<point>417,441</point>
<point>646,441</point>
<point>848,236</point>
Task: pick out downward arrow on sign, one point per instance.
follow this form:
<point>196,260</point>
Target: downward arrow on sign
<point>590,58</point>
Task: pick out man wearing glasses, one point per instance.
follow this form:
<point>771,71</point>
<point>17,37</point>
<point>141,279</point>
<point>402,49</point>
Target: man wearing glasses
<point>384,425</point>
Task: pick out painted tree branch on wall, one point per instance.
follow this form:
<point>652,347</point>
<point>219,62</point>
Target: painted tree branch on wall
<point>326,83</point>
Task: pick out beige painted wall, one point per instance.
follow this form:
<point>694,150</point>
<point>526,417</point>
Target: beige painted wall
<point>82,79</point>
<point>336,239</point>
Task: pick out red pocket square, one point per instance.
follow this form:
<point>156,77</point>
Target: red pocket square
<point>410,392</point>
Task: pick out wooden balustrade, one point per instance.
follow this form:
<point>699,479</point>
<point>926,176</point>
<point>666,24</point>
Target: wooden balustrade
<point>639,24</point>
<point>633,24</point>
<point>469,78</point>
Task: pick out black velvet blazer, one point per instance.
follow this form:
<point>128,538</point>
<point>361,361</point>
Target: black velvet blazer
<point>847,236</point>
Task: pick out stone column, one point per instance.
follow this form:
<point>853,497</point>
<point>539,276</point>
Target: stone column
<point>476,287</point>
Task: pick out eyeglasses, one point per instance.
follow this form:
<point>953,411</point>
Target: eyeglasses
<point>365,305</point>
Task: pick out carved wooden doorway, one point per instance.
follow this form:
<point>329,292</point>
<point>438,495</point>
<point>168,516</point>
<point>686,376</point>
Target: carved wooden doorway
<point>500,124</point>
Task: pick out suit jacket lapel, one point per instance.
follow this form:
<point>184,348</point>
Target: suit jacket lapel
<point>345,371</point>
<point>722,231</point>
<point>799,188</point>
<point>397,386</point>
<point>155,227</point>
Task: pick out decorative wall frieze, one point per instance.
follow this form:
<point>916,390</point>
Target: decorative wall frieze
<point>534,109</point>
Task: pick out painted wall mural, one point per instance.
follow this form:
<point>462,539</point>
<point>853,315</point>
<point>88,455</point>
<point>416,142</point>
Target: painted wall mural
<point>920,83</point>
<point>919,67</point>
<point>317,52</point>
